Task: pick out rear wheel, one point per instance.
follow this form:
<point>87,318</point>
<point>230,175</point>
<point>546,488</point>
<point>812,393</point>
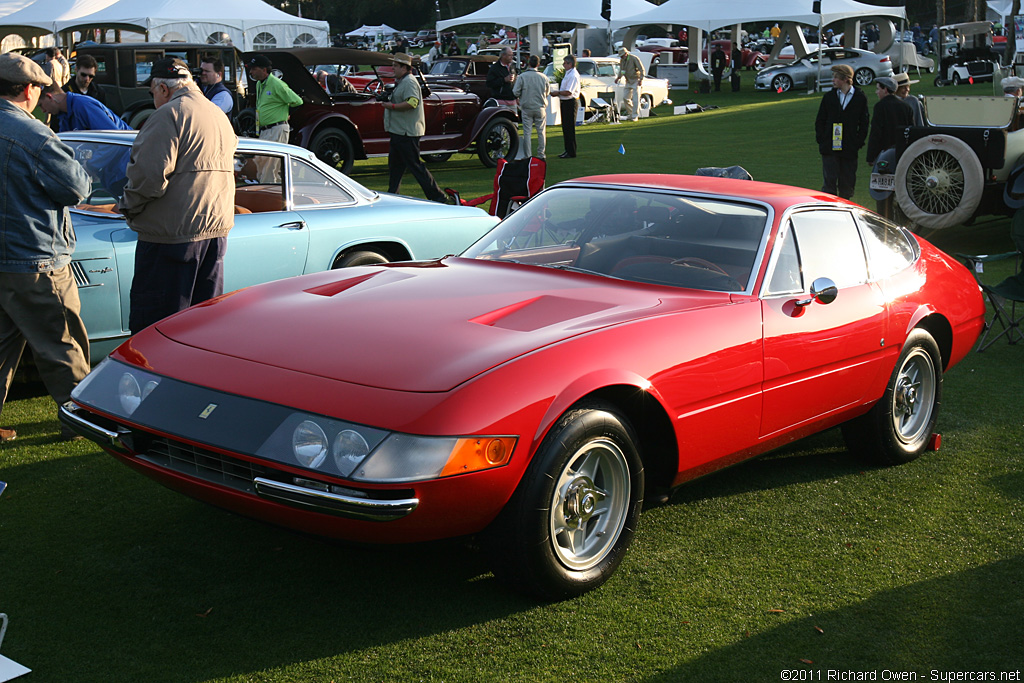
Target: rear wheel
<point>245,123</point>
<point>139,118</point>
<point>359,258</point>
<point>437,158</point>
<point>646,103</point>
<point>864,76</point>
<point>333,147</point>
<point>899,426</point>
<point>574,514</point>
<point>498,140</point>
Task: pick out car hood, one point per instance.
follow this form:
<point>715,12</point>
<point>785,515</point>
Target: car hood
<point>424,327</point>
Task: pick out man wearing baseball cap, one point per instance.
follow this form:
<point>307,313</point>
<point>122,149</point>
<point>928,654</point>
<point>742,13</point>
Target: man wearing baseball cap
<point>180,197</point>
<point>39,302</point>
<point>840,130</point>
<point>273,99</point>
<point>404,120</point>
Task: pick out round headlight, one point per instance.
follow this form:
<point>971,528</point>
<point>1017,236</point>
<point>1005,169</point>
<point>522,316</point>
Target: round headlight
<point>349,450</point>
<point>128,393</point>
<point>309,443</point>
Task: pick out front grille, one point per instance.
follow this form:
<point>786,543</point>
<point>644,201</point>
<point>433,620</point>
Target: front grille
<point>206,465</point>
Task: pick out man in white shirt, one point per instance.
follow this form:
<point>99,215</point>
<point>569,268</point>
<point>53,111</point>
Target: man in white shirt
<point>568,95</point>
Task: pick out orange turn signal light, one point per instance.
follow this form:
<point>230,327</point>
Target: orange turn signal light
<point>478,453</point>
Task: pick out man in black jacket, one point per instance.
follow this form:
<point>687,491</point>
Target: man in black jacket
<point>889,118</point>
<point>502,75</point>
<point>840,129</point>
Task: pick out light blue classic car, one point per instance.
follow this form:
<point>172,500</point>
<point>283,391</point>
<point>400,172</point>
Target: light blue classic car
<point>294,215</point>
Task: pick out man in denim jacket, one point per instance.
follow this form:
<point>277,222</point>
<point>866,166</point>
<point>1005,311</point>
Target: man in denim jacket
<point>38,296</point>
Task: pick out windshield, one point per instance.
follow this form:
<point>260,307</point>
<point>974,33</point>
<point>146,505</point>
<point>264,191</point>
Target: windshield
<point>105,162</point>
<point>629,234</point>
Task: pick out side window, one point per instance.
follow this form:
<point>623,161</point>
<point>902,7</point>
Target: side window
<point>889,248</point>
<point>258,188</point>
<point>830,246</point>
<point>143,65</point>
<point>310,187</point>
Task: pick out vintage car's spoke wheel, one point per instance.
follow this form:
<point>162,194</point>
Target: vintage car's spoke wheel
<point>939,181</point>
<point>782,83</point>
<point>864,76</point>
<point>898,427</point>
<point>574,514</point>
<point>334,148</point>
<point>359,258</point>
<point>245,123</point>
<point>498,140</point>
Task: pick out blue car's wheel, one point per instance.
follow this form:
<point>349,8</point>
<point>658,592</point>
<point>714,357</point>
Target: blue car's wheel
<point>575,512</point>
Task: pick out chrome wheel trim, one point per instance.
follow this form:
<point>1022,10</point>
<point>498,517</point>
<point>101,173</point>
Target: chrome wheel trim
<point>935,182</point>
<point>913,397</point>
<point>590,504</point>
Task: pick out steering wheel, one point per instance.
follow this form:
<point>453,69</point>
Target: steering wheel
<point>374,86</point>
<point>697,262</point>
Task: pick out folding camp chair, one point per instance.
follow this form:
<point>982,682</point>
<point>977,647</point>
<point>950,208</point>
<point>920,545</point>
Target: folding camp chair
<point>514,183</point>
<point>1006,296</point>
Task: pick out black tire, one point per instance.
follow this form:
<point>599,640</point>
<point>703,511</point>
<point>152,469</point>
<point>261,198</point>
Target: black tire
<point>647,102</point>
<point>574,514</point>
<point>437,158</point>
<point>956,79</point>
<point>863,76</point>
<point>897,429</point>
<point>139,118</point>
<point>359,258</point>
<point>782,83</point>
<point>333,147</point>
<point>498,140</point>
<point>940,82</point>
<point>245,123</point>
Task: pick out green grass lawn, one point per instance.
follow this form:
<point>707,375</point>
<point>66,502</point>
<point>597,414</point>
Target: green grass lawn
<point>802,559</point>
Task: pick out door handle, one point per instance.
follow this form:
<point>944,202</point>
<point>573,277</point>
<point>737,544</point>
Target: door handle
<point>297,225</point>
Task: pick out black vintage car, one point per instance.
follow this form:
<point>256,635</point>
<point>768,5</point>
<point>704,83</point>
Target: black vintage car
<point>466,72</point>
<point>342,125</point>
<point>122,68</point>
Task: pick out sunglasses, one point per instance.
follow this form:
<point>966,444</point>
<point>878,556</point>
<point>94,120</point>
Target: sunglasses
<point>90,76</point>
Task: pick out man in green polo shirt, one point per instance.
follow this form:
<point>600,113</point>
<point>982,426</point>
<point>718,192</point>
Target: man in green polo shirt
<point>404,120</point>
<point>273,99</point>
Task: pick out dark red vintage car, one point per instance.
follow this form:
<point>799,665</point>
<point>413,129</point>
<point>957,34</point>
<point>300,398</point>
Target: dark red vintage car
<point>465,72</point>
<point>615,337</point>
<point>340,127</point>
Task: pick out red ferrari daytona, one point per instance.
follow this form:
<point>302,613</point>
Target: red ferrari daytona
<point>615,337</point>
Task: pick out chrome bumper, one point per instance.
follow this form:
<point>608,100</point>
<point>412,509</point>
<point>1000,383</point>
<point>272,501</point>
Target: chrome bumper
<point>373,509</point>
<point>73,417</point>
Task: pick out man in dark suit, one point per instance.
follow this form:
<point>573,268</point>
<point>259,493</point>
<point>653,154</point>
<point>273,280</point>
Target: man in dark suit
<point>840,129</point>
<point>888,119</point>
<point>718,63</point>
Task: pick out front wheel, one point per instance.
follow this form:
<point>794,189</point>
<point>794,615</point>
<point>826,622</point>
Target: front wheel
<point>498,140</point>
<point>574,514</point>
<point>646,103</point>
<point>897,429</point>
<point>782,83</point>
<point>333,147</point>
<point>359,258</point>
<point>956,79</point>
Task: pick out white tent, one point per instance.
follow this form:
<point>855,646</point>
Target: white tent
<point>249,24</point>
<point>709,16</point>
<point>520,13</point>
<point>365,30</point>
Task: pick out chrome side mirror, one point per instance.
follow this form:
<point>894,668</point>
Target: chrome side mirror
<point>823,290</point>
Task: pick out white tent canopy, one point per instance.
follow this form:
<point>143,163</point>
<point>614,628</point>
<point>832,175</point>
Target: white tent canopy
<point>520,13</point>
<point>365,30</point>
<point>249,24</point>
<point>709,16</point>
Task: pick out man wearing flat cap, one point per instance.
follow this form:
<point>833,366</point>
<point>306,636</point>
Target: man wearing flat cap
<point>1013,86</point>
<point>840,130</point>
<point>39,302</point>
<point>180,197</point>
<point>404,120</point>
<point>903,84</point>
<point>889,118</point>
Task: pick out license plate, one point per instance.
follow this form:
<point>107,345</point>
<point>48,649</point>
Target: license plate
<point>883,181</point>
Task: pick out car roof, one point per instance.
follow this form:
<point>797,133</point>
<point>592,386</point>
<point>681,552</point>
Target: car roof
<point>779,196</point>
<point>127,137</point>
<point>328,55</point>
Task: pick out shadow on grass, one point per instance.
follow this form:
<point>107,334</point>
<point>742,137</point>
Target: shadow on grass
<point>959,614</point>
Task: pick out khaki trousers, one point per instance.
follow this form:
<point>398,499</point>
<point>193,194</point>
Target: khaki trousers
<point>44,311</point>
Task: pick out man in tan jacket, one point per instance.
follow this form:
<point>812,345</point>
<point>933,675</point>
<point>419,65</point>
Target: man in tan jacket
<point>179,197</point>
<point>632,69</point>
